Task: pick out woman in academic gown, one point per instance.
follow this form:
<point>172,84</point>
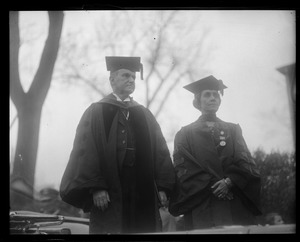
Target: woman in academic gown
<point>218,182</point>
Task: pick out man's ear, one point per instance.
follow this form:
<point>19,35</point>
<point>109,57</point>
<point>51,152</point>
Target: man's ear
<point>111,80</point>
<point>112,76</point>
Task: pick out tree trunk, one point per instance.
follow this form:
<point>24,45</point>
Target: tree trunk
<point>27,144</point>
<point>29,105</point>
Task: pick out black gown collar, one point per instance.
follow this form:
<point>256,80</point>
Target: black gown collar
<point>111,99</point>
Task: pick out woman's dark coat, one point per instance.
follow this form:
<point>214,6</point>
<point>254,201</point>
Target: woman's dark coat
<point>93,164</point>
<point>232,160</point>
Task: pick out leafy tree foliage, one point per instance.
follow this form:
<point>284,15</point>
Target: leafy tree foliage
<point>278,192</point>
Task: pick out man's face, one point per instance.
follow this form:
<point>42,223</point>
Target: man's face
<point>123,82</point>
<point>209,101</point>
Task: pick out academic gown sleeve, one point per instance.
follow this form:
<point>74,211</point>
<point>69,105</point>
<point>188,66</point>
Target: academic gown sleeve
<point>192,183</point>
<point>164,170</point>
<point>244,174</point>
<point>164,174</point>
<point>83,172</point>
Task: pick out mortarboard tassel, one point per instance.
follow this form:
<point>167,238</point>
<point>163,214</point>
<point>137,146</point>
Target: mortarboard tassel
<point>142,78</point>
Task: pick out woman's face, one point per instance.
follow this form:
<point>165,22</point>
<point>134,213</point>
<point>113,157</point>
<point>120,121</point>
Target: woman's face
<point>209,101</point>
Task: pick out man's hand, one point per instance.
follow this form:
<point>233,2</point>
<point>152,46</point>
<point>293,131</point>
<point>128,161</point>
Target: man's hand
<point>163,198</point>
<point>101,199</point>
<point>221,190</point>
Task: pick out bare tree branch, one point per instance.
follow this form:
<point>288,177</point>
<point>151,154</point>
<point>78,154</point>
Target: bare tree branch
<point>89,82</point>
<point>76,75</point>
<point>42,79</point>
<point>153,60</point>
<point>163,80</point>
<point>159,36</point>
<point>16,91</point>
<point>144,32</point>
<point>168,92</point>
<point>156,54</point>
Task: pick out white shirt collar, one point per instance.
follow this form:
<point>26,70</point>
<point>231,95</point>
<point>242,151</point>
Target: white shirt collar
<point>120,100</point>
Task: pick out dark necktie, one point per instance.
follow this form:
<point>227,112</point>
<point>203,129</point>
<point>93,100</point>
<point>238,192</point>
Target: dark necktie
<point>125,110</point>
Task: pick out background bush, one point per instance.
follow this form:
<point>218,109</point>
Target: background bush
<point>278,179</point>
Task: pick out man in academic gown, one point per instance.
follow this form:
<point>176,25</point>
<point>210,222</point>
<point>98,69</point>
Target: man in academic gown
<point>120,168</point>
<point>218,182</point>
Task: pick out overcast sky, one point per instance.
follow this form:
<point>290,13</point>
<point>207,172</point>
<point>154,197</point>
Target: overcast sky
<point>249,47</point>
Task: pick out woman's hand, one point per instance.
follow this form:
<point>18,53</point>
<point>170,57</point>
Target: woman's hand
<point>221,190</point>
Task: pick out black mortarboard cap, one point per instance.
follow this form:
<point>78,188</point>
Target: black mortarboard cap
<point>207,83</point>
<point>114,63</point>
